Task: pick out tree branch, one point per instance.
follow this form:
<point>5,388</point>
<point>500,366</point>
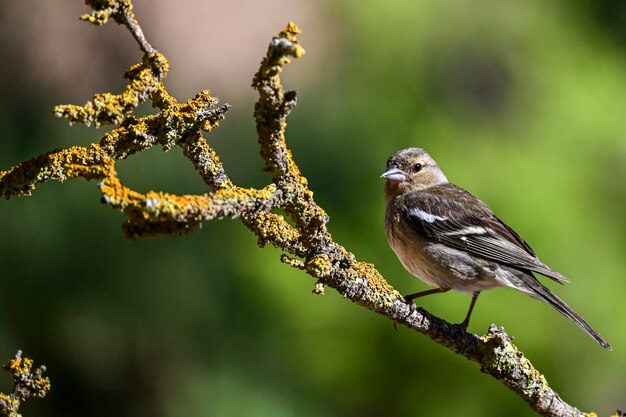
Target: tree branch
<point>307,243</point>
<point>26,384</point>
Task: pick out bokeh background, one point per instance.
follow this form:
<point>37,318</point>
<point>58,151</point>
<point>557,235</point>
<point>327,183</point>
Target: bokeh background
<point>523,103</point>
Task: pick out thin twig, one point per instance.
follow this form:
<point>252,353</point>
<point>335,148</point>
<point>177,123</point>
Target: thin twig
<point>133,26</point>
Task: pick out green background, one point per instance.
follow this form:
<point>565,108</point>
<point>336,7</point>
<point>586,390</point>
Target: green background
<point>523,103</point>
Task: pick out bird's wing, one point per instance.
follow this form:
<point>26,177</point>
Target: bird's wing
<point>460,220</point>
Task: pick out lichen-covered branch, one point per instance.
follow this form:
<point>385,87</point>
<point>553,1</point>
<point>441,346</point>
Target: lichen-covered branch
<point>27,383</point>
<point>122,12</point>
<point>303,237</point>
<point>109,109</point>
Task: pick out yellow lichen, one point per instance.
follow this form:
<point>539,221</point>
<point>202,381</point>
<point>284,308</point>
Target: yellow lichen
<point>319,288</point>
<point>501,357</point>
<point>290,33</point>
<point>166,128</point>
<point>284,46</point>
<point>319,266</point>
<point>27,383</point>
<point>103,10</point>
<point>382,293</point>
<point>272,227</point>
<point>106,108</point>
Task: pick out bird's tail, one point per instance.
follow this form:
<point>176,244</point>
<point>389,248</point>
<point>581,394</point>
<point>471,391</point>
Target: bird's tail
<point>538,291</point>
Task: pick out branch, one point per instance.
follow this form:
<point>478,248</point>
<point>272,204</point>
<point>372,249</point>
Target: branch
<point>304,237</point>
<point>122,12</point>
<point>26,384</point>
<point>360,282</point>
<point>108,109</point>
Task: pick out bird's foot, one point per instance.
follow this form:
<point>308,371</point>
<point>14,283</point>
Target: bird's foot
<point>412,306</point>
<point>463,326</point>
<point>412,309</point>
<point>464,333</point>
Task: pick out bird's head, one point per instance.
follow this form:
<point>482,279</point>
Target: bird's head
<point>411,169</point>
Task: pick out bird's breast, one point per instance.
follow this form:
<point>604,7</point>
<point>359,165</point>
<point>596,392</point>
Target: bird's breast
<point>435,263</point>
<point>409,248</point>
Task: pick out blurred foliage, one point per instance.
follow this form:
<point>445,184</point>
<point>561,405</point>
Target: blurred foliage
<point>522,103</point>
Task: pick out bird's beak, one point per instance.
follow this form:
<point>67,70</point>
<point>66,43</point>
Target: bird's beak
<point>394,173</point>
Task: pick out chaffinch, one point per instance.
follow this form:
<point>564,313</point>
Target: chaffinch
<point>449,238</point>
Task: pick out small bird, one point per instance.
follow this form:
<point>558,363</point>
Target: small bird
<point>449,238</point>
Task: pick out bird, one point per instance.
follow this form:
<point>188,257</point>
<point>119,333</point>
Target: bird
<point>450,239</point>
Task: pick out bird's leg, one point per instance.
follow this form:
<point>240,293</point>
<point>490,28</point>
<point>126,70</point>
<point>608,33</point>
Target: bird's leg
<point>409,298</point>
<point>465,322</point>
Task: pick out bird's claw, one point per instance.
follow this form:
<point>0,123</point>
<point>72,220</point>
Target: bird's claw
<point>412,309</point>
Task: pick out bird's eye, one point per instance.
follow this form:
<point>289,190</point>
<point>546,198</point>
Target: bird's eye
<point>417,167</point>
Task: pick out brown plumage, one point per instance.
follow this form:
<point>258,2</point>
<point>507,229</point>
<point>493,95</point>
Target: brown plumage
<point>449,238</point>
